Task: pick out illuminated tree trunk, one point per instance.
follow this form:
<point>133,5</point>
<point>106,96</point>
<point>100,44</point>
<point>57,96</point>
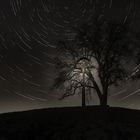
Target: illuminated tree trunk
<point>102,97</point>
<point>83,97</point>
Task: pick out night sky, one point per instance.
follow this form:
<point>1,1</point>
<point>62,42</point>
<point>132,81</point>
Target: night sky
<point>29,32</point>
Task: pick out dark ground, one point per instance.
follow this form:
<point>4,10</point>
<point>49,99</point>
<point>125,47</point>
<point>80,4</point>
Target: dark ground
<point>75,123</point>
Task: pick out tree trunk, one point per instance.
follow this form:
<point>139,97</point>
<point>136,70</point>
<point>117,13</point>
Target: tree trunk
<point>83,97</point>
<point>103,99</point>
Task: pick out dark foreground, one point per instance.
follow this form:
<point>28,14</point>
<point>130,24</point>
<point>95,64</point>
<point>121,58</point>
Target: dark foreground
<point>90,123</point>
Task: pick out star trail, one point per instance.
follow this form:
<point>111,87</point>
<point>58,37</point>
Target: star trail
<point>29,32</point>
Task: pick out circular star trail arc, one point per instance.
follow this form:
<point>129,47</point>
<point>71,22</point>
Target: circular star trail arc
<point>28,46</point>
<point>29,31</point>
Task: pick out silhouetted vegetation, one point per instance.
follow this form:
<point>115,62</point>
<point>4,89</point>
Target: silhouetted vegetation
<point>95,59</point>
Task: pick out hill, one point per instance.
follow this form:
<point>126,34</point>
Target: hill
<point>71,123</point>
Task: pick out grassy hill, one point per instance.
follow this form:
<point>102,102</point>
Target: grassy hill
<point>71,123</point>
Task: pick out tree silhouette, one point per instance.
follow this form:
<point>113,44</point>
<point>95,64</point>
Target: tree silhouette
<point>73,63</point>
<point>94,59</point>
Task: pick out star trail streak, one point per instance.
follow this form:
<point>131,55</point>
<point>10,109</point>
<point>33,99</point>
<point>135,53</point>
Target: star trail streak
<point>29,33</point>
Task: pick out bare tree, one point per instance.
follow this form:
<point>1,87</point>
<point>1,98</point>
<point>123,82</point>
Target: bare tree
<point>72,64</point>
<point>95,59</point>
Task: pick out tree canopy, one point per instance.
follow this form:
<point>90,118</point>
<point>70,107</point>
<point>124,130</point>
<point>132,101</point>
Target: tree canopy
<point>95,59</point>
